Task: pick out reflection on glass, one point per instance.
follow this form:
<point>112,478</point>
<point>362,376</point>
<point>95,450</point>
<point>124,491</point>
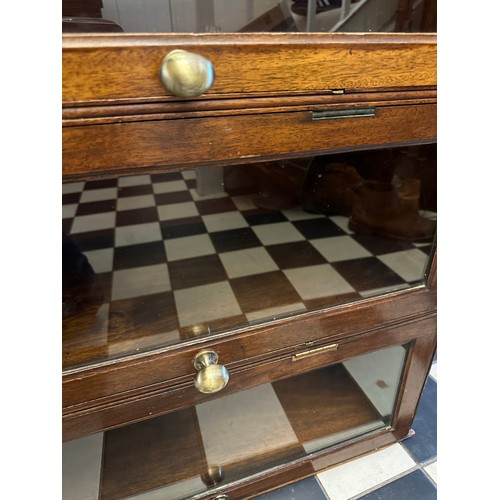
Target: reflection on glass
<point>233,16</point>
<point>153,259</point>
<point>182,453</point>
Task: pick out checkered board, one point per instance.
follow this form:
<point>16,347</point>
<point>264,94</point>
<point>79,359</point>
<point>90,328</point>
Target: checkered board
<point>173,264</point>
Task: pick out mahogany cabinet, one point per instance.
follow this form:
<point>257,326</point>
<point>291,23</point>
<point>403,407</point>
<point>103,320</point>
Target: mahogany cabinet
<point>249,274</point>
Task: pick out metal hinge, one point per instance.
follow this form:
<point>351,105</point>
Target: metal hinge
<point>332,114</point>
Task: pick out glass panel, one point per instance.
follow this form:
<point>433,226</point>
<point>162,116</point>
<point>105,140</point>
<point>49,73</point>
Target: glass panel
<point>233,16</point>
<point>152,260</point>
<point>186,452</point>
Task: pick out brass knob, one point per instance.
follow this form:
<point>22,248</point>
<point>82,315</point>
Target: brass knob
<point>185,74</point>
<point>213,475</point>
<point>211,377</point>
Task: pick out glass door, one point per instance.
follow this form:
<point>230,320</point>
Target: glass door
<point>217,442</point>
<point>158,259</point>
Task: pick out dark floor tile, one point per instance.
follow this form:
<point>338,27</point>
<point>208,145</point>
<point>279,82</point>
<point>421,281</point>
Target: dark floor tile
<point>264,291</point>
<point>96,207</point>
<point>95,240</point>
<point>377,245</point>
<point>66,225</point>
<point>70,198</point>
<point>143,316</point>
<point>234,239</point>
<point>318,228</point>
<point>295,254</point>
<point>307,489</point>
<point>331,300</point>
<point>426,249</point>
<point>136,216</point>
<point>167,176</point>
<point>197,271</point>
<point>256,217</point>
<point>367,273</point>
<point>143,254</point>
<point>179,228</point>
<point>175,197</point>
<point>101,183</point>
<point>423,445</point>
<point>213,326</point>
<point>413,486</point>
<point>216,205</point>
<point>127,191</point>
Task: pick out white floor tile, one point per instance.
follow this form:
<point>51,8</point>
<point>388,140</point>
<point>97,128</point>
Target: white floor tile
<point>94,222</point>
<point>274,234</point>
<point>188,174</point>
<point>144,343</point>
<point>169,186</point>
<point>247,262</point>
<point>99,195</point>
<point>378,374</point>
<point>201,304</point>
<point>137,233</point>
<point>339,248</point>
<point>134,180</point>
<point>134,202</point>
<point>72,187</point>
<point>431,469</point>
<point>101,260</point>
<point>352,478</point>
<point>342,222</point>
<point>81,468</point>
<point>294,214</point>
<point>409,264</point>
<point>339,437</point>
<point>274,312</point>
<point>224,221</point>
<point>383,290</point>
<point>197,196</point>
<point>188,247</point>
<point>146,280</point>
<point>69,210</point>
<point>317,281</point>
<point>433,371</point>
<point>244,202</point>
<point>177,210</point>
<point>254,423</point>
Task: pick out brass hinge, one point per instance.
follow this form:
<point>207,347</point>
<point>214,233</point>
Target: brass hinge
<point>343,113</point>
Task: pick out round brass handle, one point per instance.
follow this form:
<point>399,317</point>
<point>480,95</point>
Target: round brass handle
<point>211,377</point>
<point>185,74</point>
<point>213,475</point>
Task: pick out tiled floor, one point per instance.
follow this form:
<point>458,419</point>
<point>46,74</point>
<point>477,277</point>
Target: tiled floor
<point>170,260</point>
<point>406,470</point>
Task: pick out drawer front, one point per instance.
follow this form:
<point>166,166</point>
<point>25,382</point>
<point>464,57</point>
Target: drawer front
<point>180,392</point>
<point>195,141</point>
<point>310,409</point>
<point>126,67</point>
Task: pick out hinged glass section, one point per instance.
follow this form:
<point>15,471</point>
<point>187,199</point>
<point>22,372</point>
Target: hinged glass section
<point>214,443</point>
<point>156,259</point>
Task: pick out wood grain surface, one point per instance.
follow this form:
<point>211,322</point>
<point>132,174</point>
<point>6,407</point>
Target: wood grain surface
<point>126,67</point>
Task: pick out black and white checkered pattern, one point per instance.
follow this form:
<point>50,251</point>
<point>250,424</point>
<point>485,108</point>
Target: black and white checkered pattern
<point>170,257</point>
